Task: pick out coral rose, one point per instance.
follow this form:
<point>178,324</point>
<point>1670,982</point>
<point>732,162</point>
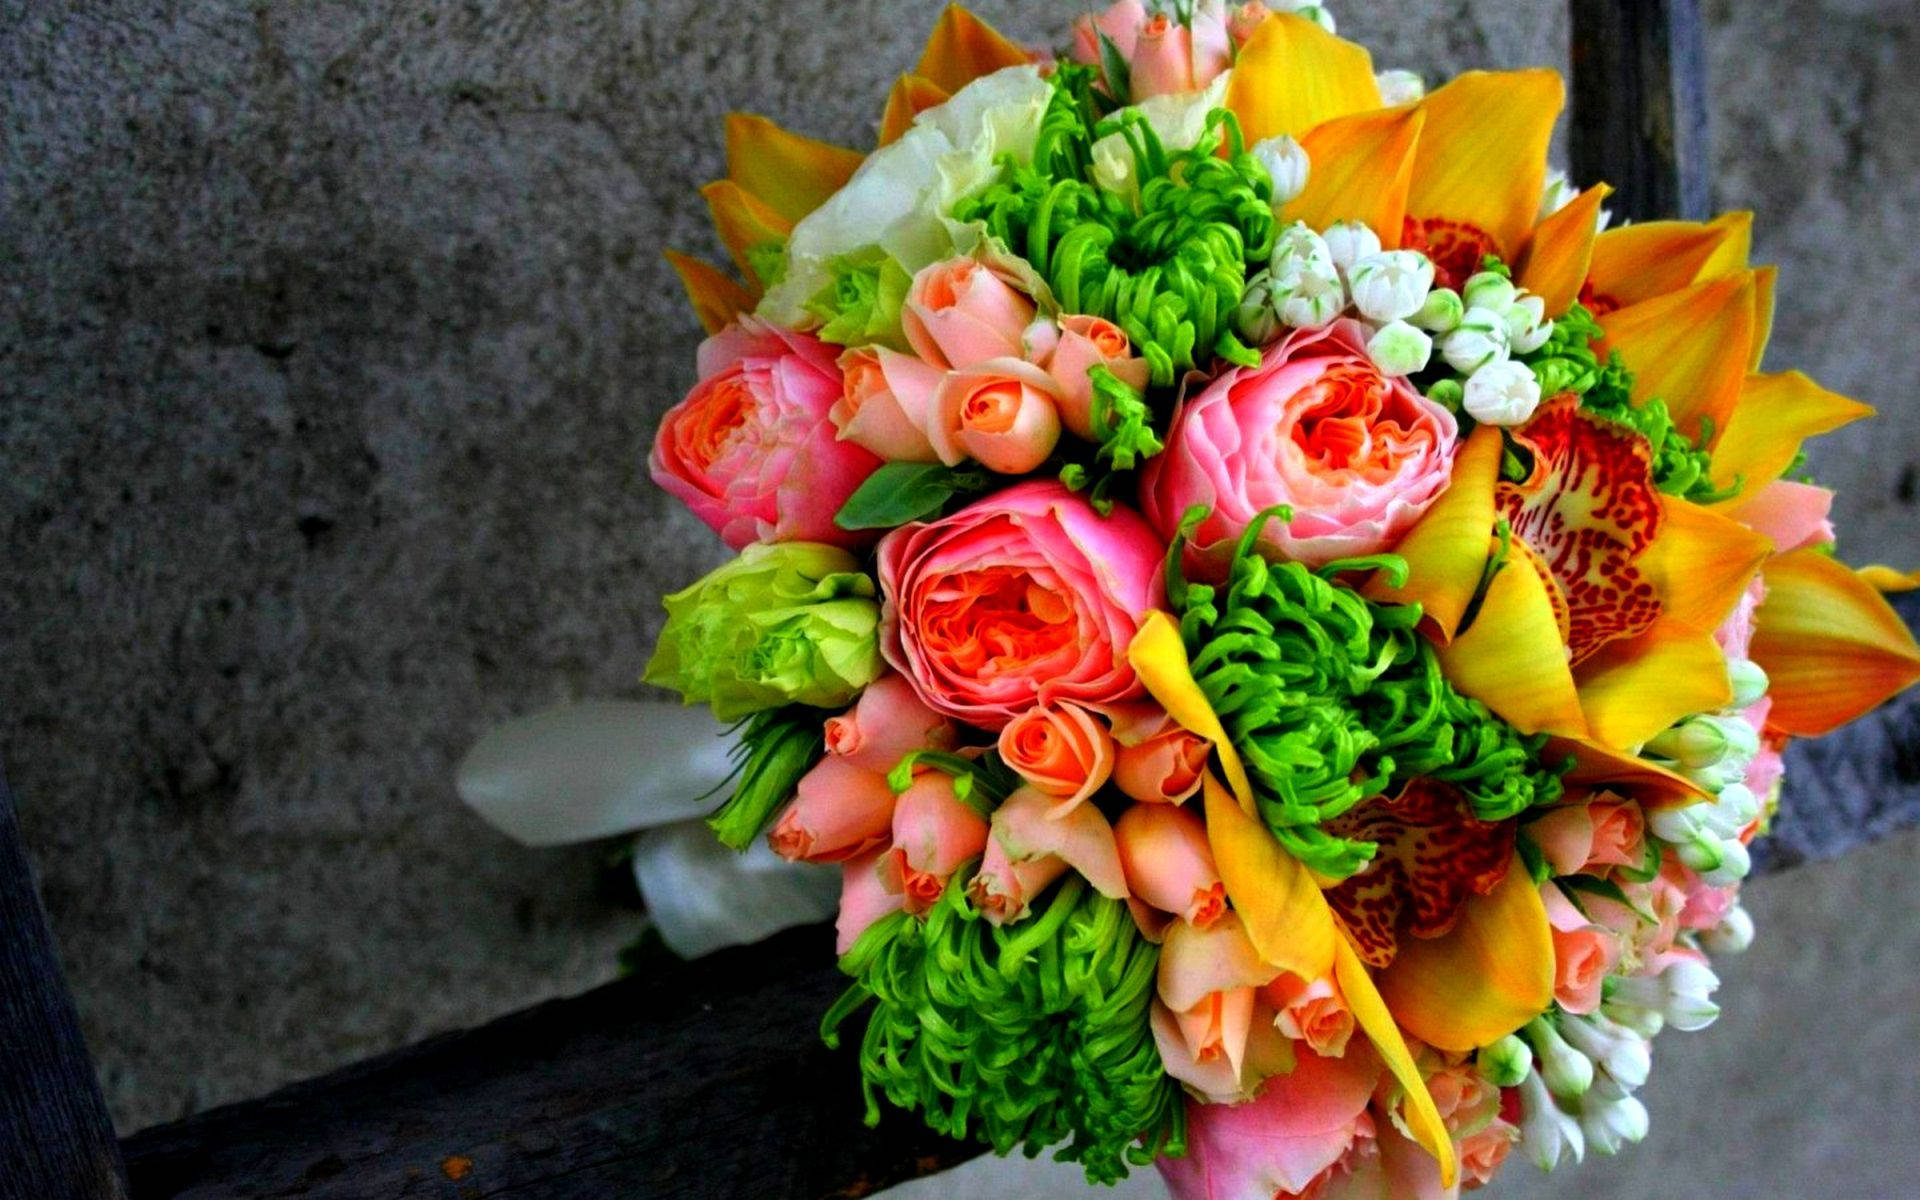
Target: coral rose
<point>1171,56</point>
<point>1062,750</point>
<point>864,897</point>
<point>1025,597</point>
<point>1313,1012</point>
<point>934,832</point>
<point>751,450</point>
<point>839,812</point>
<point>1359,456</point>
<point>1163,766</point>
<point>1082,343</point>
<point>1168,863</point>
<point>1583,953</point>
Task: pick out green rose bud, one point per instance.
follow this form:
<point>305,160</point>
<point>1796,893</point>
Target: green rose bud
<point>788,623</point>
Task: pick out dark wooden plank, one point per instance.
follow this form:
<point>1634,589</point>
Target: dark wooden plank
<point>1639,101</point>
<point>701,1080</point>
<point>56,1140</point>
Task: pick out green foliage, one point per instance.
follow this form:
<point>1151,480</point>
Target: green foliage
<point>1022,1036</point>
<point>1331,698</point>
<point>768,261</point>
<point>906,491</point>
<point>776,748</point>
<point>1125,437</point>
<point>861,307</point>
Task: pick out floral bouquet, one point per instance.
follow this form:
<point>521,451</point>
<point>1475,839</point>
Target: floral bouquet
<point>1284,623</point>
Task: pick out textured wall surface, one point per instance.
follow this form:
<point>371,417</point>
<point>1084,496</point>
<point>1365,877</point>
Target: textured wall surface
<point>331,338</point>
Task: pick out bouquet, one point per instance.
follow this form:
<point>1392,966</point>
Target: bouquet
<point>1283,621</point>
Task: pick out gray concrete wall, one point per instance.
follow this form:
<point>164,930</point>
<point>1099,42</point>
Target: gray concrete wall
<point>331,339</point>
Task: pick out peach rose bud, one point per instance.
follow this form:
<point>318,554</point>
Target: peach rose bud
<point>1311,1012</point>
<point>1165,768</point>
<point>1003,889</point>
<point>1087,342</point>
<point>1162,59</point>
<point>1121,23</point>
<point>1031,824</point>
<point>1168,864</point>
<point>1207,981</point>
<point>864,898</point>
<point>839,812</point>
<point>1619,834</point>
<point>883,405</point>
<point>888,722</point>
<point>934,832</point>
<point>1244,19</point>
<point>1583,953</point>
<point>1002,413</point>
<point>1061,750</point>
<point>1482,1152</point>
<point>959,313</point>
<point>1564,836</point>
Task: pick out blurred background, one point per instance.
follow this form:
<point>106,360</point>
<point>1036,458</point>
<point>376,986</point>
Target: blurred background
<point>332,337</point>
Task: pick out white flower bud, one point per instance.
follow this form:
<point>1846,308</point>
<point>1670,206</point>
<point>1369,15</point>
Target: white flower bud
<point>1391,285</point>
<point>1742,741</point>
<point>1400,349</point>
<point>1286,165</point>
<point>1295,248</point>
<point>1641,1019</point>
<point>1506,1062</point>
<point>1732,935</point>
<point>1349,242</point>
<point>1548,1136</point>
<point>1501,393</point>
<point>1749,681</point>
<point>1715,777</point>
<point>1611,1118</point>
<point>1479,339</point>
<point>1317,13</point>
<point>1255,321</point>
<point>1556,195</point>
<point>1703,852</point>
<point>1309,297</point>
<point>1568,1072</point>
<point>1489,290</point>
<point>1399,87</point>
<point>1689,986</point>
<point>1695,742</point>
<point>1527,326</point>
<point>1624,1055</point>
<point>1675,825</point>
<point>1736,862</point>
<point>1448,394</point>
<point>1734,809</point>
<point>1442,311</point>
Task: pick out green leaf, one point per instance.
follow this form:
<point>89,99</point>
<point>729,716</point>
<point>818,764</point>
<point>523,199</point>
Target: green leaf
<point>902,492</point>
<point>1606,889</point>
<point>1113,65</point>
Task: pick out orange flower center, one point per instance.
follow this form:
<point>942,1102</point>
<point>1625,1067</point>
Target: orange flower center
<point>996,620</point>
<point>1341,427</point>
<point>711,426</point>
<point>1456,247</point>
<point>992,409</point>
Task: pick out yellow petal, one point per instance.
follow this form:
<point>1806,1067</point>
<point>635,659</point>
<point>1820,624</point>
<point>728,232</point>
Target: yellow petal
<point>911,96</point>
<point>1636,263</point>
<point>1159,658</point>
<point>1558,258</point>
<point>1775,415</point>
<point>1292,75</point>
<point>1513,658</point>
<point>1286,918</point>
<point>1700,562</point>
<point>1361,167</point>
<point>1370,1013</point>
<point>1596,766</point>
<point>1633,688</point>
<point>1764,279</point>
<point>1882,578</point>
<point>1447,551</point>
<point>1831,646</point>
<point>962,48</point>
<point>1483,152</point>
<point>1689,348</point>
<point>743,222</point>
<point>716,299</point>
<point>1485,978</point>
<point>790,174</point>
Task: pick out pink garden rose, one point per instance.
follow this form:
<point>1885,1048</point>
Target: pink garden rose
<point>839,812</point>
<point>887,723</point>
<point>1025,597</point>
<point>960,312</point>
<point>751,450</point>
<point>1359,456</point>
<point>884,401</point>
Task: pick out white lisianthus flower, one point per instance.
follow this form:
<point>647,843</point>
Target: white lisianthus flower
<point>1350,241</point>
<point>1178,119</point>
<point>1309,295</point>
<point>1480,338</point>
<point>1399,87</point>
<point>1400,349</point>
<point>1391,285</point>
<point>1502,393</point>
<point>1286,164</point>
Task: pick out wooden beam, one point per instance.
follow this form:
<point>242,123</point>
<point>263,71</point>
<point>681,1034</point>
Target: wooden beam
<point>1640,106</point>
<point>56,1140</point>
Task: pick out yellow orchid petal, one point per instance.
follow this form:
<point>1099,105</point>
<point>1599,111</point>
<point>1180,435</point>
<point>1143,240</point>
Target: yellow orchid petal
<point>1689,348</point>
<point>1775,415</point>
<point>1558,258</point>
<point>1633,688</point>
<point>791,174</point>
<point>1485,978</point>
<point>1636,263</point>
<point>1483,153</point>
<point>1446,552</point>
<point>1699,563</point>
<point>1286,918</point>
<point>1159,658</point>
<point>1362,166</point>
<point>1596,766</point>
<point>1882,578</point>
<point>743,222</point>
<point>1292,75</point>
<point>1831,645</point>
<point>716,299</point>
<point>911,96</point>
<point>1370,1012</point>
<point>1513,658</point>
<point>1764,281</point>
<point>962,48</point>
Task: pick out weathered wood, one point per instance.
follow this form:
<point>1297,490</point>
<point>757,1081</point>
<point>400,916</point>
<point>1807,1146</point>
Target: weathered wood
<point>704,1080</point>
<point>1639,118</point>
<point>56,1140</point>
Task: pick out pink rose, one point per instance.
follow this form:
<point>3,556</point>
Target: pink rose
<point>839,812</point>
<point>1358,456</point>
<point>934,832</point>
<point>1164,767</point>
<point>1000,412</point>
<point>1025,597</point>
<point>1583,953</point>
<point>960,312</point>
<point>1121,23</point>
<point>864,898</point>
<point>1170,57</point>
<point>1462,1098</point>
<point>1032,840</point>
<point>751,450</point>
<point>885,402</point>
<point>1061,750</point>
<point>1591,836</point>
<point>887,723</point>
<point>1483,1151</point>
<point>1168,863</point>
<point>1277,1144</point>
<point>1311,1012</point>
<point>1082,344</point>
<point>1244,19</point>
<point>1204,1010</point>
<point>1003,888</point>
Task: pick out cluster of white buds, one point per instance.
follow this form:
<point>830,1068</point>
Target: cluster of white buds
<point>1287,166</point>
<point>1582,1095</point>
<point>1399,87</point>
<point>1308,292</point>
<point>1680,996</point>
<point>1611,1117</point>
<point>1317,13</point>
<point>1549,1134</point>
<point>1568,1073</point>
<point>1714,750</point>
<point>1618,1053</point>
<point>1732,935</point>
<point>1479,329</point>
<point>1706,836</point>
